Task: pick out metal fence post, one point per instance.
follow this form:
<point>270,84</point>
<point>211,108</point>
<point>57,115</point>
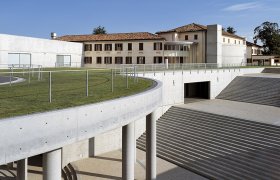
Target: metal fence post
<point>29,75</point>
<point>10,76</point>
<point>50,86</point>
<point>126,78</point>
<point>112,79</point>
<point>87,83</point>
<point>39,74</point>
<point>134,69</point>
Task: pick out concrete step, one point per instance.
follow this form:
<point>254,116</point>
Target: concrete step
<point>271,70</point>
<point>257,90</point>
<point>218,147</point>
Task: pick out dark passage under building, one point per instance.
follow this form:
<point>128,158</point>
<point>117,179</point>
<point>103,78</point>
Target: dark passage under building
<point>197,90</point>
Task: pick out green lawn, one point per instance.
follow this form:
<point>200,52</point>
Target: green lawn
<point>68,90</point>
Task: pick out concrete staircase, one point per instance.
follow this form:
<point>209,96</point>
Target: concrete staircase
<point>271,70</point>
<point>218,147</point>
<point>257,90</point>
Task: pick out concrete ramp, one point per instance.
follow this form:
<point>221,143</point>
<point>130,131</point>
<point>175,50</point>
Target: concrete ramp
<point>217,146</point>
<point>257,90</point>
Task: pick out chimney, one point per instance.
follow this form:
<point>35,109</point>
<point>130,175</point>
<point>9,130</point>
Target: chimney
<point>53,35</point>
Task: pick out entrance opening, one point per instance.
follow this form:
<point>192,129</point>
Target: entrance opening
<point>196,91</point>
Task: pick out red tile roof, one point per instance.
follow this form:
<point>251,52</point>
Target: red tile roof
<point>252,44</point>
<point>194,28</point>
<point>111,37</point>
<point>187,28</point>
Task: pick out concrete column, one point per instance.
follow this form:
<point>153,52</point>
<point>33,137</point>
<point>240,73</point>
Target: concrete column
<point>22,169</point>
<point>52,165</point>
<point>128,152</point>
<point>151,156</point>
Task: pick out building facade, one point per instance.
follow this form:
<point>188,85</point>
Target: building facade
<point>191,43</point>
<point>211,43</point>
<point>129,48</point>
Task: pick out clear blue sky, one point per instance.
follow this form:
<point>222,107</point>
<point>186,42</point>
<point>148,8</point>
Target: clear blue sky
<point>40,17</point>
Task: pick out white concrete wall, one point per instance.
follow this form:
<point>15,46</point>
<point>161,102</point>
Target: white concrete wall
<point>43,51</point>
<point>234,52</point>
<point>30,135</point>
<point>172,94</point>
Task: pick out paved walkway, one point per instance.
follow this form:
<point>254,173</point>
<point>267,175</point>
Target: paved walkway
<point>109,166</point>
<point>5,79</point>
<point>248,111</point>
<point>264,75</point>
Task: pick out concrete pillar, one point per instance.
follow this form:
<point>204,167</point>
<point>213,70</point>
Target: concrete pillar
<point>22,169</point>
<point>151,156</point>
<point>128,152</point>
<point>214,44</point>
<point>52,165</point>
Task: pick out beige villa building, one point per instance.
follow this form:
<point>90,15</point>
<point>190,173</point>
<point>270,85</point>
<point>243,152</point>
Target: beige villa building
<point>192,43</point>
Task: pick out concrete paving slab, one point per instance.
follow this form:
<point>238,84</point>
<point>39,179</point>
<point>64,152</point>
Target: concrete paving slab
<point>248,111</point>
<point>264,75</point>
<point>109,166</point>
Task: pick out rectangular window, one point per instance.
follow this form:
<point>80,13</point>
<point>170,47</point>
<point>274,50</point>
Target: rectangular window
<point>234,41</point>
<point>128,60</point>
<point>98,60</point>
<point>157,46</point>
<point>98,47</point>
<point>141,46</point>
<point>141,60</point>
<point>228,40</point>
<point>88,47</point>
<point>108,47</point>
<point>87,60</point>
<point>157,60</point>
<point>129,48</point>
<point>224,39</point>
<point>186,37</point>
<point>118,60</point>
<point>108,60</point>
<point>195,37</point>
<point>118,47</point>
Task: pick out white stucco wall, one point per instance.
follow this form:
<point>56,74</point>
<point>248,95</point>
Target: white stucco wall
<point>43,51</point>
<point>234,53</point>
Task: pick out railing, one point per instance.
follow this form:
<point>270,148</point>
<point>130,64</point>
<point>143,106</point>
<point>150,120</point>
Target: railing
<point>61,87</point>
<point>72,64</point>
<point>20,66</point>
<point>143,68</point>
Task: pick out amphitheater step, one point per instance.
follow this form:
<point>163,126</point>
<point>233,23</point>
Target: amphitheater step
<point>216,146</point>
<point>257,90</point>
<point>271,70</point>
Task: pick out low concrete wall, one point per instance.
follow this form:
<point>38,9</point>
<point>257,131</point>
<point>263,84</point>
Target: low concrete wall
<point>30,135</point>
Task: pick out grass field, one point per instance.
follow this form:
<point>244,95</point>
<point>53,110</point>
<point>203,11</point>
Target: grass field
<point>68,90</point>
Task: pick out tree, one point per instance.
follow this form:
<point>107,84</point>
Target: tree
<point>269,34</point>
<point>99,30</point>
<point>231,30</point>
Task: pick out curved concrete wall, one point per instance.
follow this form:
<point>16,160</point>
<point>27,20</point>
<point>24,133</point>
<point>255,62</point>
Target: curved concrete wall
<point>29,135</point>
